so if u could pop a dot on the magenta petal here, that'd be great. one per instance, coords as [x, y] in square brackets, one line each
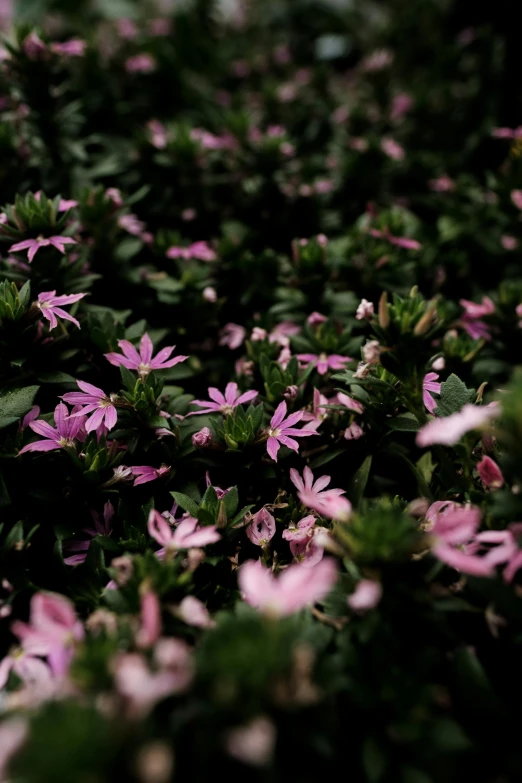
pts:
[41, 445]
[272, 447]
[279, 415]
[44, 429]
[111, 416]
[95, 420]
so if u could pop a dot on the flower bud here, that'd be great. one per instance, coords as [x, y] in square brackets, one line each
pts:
[490, 473]
[202, 439]
[290, 393]
[353, 432]
[371, 352]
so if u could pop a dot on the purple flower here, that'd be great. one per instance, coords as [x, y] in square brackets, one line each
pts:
[52, 631]
[67, 430]
[74, 47]
[429, 385]
[140, 63]
[143, 362]
[145, 473]
[300, 532]
[50, 306]
[280, 429]
[324, 362]
[199, 250]
[262, 529]
[448, 430]
[95, 401]
[224, 403]
[232, 335]
[295, 588]
[187, 534]
[99, 529]
[33, 245]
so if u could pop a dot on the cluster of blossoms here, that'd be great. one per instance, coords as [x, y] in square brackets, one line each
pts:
[260, 413]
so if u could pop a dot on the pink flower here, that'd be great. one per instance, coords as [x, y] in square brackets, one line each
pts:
[401, 104]
[262, 528]
[158, 134]
[252, 743]
[472, 310]
[94, 401]
[364, 310]
[52, 631]
[232, 335]
[74, 47]
[187, 534]
[99, 529]
[200, 250]
[143, 362]
[508, 242]
[145, 473]
[314, 495]
[295, 588]
[307, 552]
[202, 439]
[490, 473]
[507, 133]
[392, 149]
[131, 224]
[31, 670]
[405, 242]
[301, 531]
[450, 429]
[453, 532]
[209, 294]
[366, 595]
[324, 362]
[140, 63]
[516, 198]
[315, 319]
[33, 46]
[429, 385]
[64, 435]
[280, 429]
[50, 306]
[223, 403]
[318, 414]
[281, 333]
[33, 245]
[143, 688]
[29, 417]
[150, 629]
[441, 184]
[193, 612]
[353, 432]
[350, 403]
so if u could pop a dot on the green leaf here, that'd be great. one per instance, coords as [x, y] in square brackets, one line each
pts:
[426, 466]
[16, 403]
[55, 377]
[454, 394]
[186, 503]
[359, 481]
[404, 424]
[230, 501]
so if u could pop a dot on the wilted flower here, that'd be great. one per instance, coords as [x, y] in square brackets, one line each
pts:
[262, 528]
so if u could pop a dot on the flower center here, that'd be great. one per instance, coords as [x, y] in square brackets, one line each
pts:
[274, 433]
[66, 442]
[105, 402]
[144, 369]
[227, 409]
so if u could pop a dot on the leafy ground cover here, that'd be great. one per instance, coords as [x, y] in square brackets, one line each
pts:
[260, 402]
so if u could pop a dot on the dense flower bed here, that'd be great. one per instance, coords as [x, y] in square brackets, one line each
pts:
[260, 414]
